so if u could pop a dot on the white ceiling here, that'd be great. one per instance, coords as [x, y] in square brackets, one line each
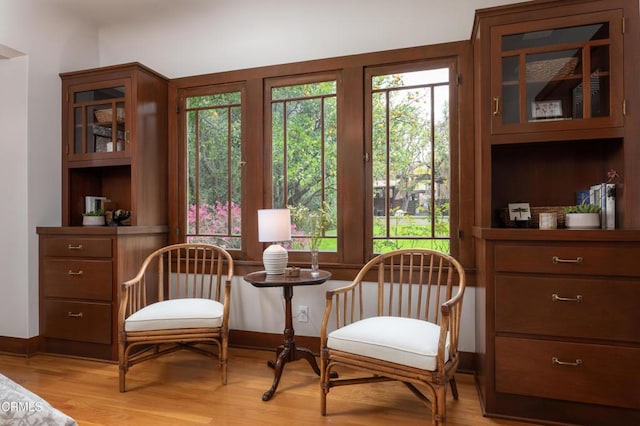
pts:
[107, 12]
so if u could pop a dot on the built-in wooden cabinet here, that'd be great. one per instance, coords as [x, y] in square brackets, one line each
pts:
[555, 102]
[556, 74]
[81, 270]
[114, 142]
[114, 145]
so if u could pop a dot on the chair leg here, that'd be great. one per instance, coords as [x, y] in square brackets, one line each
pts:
[440, 417]
[323, 398]
[223, 359]
[454, 388]
[122, 365]
[121, 377]
[324, 385]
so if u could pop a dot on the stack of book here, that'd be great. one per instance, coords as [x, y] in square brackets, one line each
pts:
[604, 195]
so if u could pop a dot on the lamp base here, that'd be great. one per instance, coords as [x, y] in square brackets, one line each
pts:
[275, 258]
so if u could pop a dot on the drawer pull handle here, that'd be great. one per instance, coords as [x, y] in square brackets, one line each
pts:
[496, 106]
[577, 299]
[577, 363]
[75, 272]
[577, 260]
[74, 314]
[78, 247]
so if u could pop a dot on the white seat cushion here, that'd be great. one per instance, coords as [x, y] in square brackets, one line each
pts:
[405, 341]
[176, 313]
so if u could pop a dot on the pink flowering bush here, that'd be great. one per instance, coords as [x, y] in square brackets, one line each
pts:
[211, 223]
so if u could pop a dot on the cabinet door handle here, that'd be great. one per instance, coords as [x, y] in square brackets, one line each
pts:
[78, 247]
[496, 106]
[577, 260]
[576, 363]
[75, 272]
[74, 314]
[577, 299]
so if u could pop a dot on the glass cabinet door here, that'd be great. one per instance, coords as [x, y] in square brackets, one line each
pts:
[99, 122]
[556, 74]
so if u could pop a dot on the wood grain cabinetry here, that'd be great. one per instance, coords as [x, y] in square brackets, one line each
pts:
[114, 145]
[556, 310]
[555, 74]
[114, 142]
[80, 273]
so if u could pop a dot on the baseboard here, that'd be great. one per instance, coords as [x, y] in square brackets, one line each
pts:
[270, 341]
[19, 346]
[237, 338]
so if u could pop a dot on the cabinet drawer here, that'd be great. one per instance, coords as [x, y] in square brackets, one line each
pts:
[77, 279]
[608, 308]
[76, 247]
[80, 321]
[607, 374]
[568, 259]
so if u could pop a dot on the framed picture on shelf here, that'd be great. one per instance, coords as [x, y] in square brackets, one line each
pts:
[519, 212]
[544, 110]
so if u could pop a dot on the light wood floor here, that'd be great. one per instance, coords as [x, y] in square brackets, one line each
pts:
[184, 388]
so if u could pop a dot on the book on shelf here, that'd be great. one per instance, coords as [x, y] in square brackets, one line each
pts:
[582, 197]
[604, 195]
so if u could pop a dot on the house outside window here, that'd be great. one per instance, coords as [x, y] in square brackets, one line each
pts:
[304, 140]
[410, 172]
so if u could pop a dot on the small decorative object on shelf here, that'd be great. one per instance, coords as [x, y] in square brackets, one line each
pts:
[119, 217]
[93, 218]
[603, 195]
[548, 220]
[544, 110]
[582, 216]
[520, 213]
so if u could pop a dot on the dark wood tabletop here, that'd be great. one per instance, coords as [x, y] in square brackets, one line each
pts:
[261, 279]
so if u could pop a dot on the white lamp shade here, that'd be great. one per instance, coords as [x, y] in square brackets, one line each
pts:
[274, 225]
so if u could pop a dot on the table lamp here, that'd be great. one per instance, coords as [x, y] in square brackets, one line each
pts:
[274, 225]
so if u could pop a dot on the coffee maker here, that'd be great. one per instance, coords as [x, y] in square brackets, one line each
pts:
[93, 203]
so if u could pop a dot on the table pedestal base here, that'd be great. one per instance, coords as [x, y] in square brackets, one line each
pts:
[288, 353]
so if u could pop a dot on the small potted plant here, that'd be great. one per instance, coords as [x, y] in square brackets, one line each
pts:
[582, 216]
[93, 218]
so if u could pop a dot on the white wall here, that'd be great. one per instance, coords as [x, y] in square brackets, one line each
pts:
[262, 310]
[196, 37]
[30, 144]
[215, 35]
[14, 289]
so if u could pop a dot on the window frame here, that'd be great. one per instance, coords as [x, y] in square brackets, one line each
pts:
[181, 156]
[454, 137]
[273, 82]
[354, 249]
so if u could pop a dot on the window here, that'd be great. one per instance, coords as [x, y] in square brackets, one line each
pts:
[410, 159]
[213, 182]
[371, 139]
[304, 158]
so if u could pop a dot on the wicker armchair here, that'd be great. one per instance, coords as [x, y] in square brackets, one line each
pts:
[402, 326]
[192, 307]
